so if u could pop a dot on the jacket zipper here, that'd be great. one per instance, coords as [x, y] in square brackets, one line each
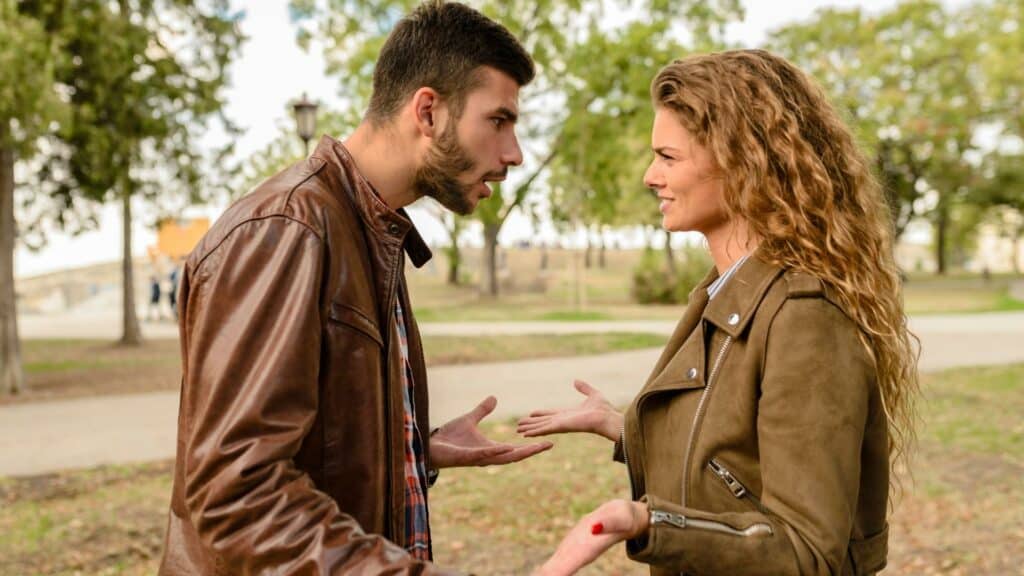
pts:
[700, 412]
[735, 486]
[681, 521]
[625, 459]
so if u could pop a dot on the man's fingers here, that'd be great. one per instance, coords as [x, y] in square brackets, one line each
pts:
[481, 456]
[538, 413]
[521, 453]
[484, 408]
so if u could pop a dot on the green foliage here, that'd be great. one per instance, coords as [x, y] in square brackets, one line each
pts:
[592, 57]
[142, 78]
[28, 99]
[655, 283]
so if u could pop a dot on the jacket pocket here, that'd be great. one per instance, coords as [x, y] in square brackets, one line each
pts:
[724, 477]
[356, 319]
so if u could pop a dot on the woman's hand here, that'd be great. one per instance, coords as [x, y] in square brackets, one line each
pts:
[595, 533]
[595, 415]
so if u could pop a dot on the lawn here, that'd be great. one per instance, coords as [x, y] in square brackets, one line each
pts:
[963, 512]
[70, 368]
[534, 294]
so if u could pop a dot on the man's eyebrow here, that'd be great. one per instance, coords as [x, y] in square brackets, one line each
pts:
[507, 113]
[663, 149]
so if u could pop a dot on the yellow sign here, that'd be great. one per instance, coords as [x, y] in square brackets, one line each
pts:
[177, 237]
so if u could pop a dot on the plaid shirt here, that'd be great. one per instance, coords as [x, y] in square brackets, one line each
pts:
[417, 518]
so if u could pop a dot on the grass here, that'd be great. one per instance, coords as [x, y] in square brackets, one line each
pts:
[960, 294]
[72, 368]
[962, 515]
[444, 350]
[531, 294]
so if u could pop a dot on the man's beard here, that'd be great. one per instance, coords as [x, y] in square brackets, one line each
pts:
[445, 161]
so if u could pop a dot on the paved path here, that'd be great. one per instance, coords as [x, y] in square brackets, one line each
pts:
[46, 436]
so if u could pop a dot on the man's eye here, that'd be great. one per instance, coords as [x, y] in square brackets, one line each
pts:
[498, 122]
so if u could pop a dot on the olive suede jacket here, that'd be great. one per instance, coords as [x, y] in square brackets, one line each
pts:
[759, 441]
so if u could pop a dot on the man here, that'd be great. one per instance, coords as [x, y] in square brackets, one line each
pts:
[303, 441]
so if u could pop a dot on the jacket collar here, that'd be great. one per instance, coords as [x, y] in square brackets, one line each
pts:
[734, 306]
[383, 222]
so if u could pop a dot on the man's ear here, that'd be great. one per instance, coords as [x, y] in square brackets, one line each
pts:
[427, 108]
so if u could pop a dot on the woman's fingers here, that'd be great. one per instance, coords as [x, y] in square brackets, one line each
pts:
[585, 388]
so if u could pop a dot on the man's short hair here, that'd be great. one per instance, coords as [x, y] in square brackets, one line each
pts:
[442, 45]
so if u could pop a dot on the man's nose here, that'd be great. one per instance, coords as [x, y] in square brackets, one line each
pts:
[513, 155]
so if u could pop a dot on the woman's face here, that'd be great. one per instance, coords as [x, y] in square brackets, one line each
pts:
[683, 176]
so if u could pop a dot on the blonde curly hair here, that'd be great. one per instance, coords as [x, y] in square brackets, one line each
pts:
[792, 171]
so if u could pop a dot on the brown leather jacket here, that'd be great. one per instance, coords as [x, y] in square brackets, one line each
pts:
[290, 430]
[759, 441]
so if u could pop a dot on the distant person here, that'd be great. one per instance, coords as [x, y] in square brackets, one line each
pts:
[172, 294]
[761, 443]
[154, 312]
[304, 445]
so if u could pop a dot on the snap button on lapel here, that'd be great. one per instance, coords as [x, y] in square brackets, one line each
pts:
[393, 228]
[691, 373]
[734, 319]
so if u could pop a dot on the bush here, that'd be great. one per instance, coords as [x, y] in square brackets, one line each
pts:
[653, 283]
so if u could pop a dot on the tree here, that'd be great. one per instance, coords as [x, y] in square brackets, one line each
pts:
[143, 78]
[28, 105]
[908, 81]
[553, 31]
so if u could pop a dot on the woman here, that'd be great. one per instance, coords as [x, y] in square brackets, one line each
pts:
[762, 442]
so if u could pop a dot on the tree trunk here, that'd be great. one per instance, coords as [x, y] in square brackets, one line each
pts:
[580, 278]
[544, 256]
[12, 378]
[602, 262]
[490, 286]
[131, 335]
[941, 237]
[670, 257]
[453, 265]
[587, 259]
[453, 251]
[1016, 249]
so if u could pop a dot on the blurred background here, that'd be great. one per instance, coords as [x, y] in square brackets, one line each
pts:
[128, 126]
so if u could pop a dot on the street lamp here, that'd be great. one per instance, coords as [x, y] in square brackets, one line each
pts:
[305, 120]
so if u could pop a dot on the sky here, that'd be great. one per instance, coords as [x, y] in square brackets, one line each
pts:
[271, 72]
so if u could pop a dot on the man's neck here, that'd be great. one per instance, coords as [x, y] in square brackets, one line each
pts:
[385, 161]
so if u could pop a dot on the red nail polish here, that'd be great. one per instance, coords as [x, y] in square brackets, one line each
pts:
[597, 528]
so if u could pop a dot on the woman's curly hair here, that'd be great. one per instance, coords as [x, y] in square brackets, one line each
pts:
[792, 171]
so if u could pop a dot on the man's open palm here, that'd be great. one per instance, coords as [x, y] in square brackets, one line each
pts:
[460, 442]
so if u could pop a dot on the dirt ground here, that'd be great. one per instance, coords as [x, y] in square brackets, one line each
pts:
[963, 516]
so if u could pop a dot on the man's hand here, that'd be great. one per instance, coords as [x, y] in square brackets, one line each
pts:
[595, 533]
[460, 442]
[595, 415]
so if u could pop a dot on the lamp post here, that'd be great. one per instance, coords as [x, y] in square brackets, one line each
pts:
[305, 120]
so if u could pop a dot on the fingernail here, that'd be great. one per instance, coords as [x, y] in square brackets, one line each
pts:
[597, 528]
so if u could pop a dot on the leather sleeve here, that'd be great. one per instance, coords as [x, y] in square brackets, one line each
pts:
[812, 414]
[254, 320]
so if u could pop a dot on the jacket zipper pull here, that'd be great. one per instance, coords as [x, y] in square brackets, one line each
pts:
[738, 490]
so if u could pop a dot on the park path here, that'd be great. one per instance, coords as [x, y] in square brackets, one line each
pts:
[48, 436]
